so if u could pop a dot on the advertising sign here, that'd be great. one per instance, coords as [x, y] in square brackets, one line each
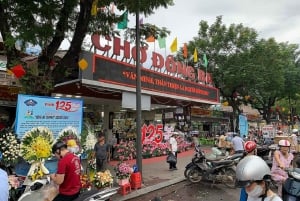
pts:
[54, 113]
[268, 131]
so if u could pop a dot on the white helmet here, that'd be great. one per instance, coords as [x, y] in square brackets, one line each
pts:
[295, 130]
[250, 169]
[284, 143]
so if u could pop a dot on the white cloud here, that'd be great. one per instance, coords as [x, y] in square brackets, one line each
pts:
[279, 19]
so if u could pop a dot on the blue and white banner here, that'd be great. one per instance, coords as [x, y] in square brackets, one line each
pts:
[54, 113]
[243, 125]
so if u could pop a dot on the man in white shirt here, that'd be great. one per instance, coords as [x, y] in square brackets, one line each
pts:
[173, 149]
[4, 186]
[238, 144]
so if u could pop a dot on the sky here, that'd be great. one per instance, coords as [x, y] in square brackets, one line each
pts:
[279, 19]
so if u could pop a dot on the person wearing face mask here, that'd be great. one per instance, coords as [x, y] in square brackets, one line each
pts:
[254, 175]
[281, 161]
[250, 149]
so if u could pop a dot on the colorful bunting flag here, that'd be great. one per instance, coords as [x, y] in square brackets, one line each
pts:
[173, 46]
[141, 21]
[185, 51]
[123, 23]
[94, 8]
[205, 62]
[150, 39]
[195, 56]
[161, 42]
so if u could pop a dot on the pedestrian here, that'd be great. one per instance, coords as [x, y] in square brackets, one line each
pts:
[250, 149]
[173, 149]
[237, 144]
[282, 160]
[102, 153]
[253, 173]
[4, 186]
[68, 173]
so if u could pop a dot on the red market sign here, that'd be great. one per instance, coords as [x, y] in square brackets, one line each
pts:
[158, 61]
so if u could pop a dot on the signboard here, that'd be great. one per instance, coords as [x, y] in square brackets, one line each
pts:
[268, 131]
[110, 71]
[56, 114]
[243, 125]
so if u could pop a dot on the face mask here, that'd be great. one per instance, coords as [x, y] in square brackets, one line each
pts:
[256, 192]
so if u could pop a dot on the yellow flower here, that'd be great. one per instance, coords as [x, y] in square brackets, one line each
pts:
[71, 143]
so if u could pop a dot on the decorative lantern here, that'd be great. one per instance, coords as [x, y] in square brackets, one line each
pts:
[83, 64]
[18, 71]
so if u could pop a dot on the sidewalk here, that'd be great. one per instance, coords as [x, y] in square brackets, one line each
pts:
[156, 173]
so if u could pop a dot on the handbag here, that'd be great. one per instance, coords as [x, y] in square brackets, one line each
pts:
[171, 158]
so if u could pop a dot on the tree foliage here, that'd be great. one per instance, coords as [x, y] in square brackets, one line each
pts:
[47, 23]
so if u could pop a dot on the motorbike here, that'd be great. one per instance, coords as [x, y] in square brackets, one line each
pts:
[291, 187]
[36, 191]
[235, 157]
[222, 170]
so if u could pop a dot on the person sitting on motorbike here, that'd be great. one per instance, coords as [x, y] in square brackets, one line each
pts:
[291, 186]
[282, 160]
[250, 149]
[253, 173]
[68, 173]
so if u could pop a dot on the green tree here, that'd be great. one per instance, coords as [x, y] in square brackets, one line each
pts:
[47, 23]
[225, 48]
[271, 74]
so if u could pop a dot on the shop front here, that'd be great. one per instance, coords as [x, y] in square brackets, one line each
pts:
[108, 84]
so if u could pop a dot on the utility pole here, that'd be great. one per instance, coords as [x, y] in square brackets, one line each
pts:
[138, 91]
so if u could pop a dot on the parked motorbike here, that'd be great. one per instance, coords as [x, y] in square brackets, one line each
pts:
[235, 157]
[212, 170]
[36, 191]
[291, 187]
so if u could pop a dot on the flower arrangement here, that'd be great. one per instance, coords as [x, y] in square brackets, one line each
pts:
[9, 147]
[36, 144]
[123, 170]
[69, 136]
[35, 148]
[125, 151]
[91, 164]
[103, 179]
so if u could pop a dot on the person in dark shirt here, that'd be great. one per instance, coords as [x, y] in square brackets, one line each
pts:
[101, 152]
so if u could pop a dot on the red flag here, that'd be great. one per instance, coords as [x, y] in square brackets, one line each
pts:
[185, 51]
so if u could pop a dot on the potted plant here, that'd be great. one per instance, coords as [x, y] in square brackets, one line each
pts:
[123, 172]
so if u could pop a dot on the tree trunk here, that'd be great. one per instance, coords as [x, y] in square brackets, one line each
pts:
[69, 62]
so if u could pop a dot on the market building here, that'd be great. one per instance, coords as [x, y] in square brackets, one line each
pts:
[173, 94]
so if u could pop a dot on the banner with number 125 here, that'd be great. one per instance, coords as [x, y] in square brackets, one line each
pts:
[54, 113]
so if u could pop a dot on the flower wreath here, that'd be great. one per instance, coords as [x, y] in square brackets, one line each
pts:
[70, 137]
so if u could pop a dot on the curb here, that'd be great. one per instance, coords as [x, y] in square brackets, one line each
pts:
[149, 189]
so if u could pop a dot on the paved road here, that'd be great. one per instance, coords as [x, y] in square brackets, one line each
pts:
[158, 179]
[185, 191]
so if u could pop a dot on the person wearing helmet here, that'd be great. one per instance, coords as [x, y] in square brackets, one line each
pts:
[68, 173]
[282, 160]
[250, 149]
[253, 173]
[4, 187]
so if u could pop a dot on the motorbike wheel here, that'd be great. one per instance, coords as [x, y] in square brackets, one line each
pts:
[194, 175]
[230, 177]
[186, 171]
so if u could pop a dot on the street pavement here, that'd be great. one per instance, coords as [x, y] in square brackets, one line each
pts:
[156, 173]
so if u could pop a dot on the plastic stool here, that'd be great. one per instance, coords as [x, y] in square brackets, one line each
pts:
[125, 189]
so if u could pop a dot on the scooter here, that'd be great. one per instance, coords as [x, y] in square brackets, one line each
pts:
[291, 187]
[222, 170]
[36, 190]
[235, 157]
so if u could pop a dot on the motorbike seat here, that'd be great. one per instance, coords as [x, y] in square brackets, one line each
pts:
[221, 162]
[235, 156]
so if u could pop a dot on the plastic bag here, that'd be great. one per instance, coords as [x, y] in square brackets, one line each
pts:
[171, 158]
[50, 191]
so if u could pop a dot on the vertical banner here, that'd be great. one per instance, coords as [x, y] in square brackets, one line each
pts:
[243, 125]
[54, 113]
